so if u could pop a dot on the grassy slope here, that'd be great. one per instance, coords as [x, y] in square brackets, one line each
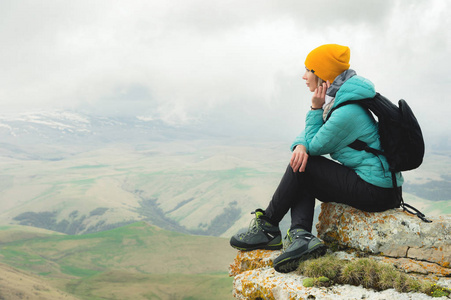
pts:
[17, 284]
[127, 285]
[192, 184]
[132, 262]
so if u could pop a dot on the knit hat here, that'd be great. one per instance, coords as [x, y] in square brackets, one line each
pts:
[328, 61]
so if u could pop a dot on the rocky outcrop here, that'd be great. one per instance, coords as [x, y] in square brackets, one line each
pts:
[251, 260]
[395, 237]
[393, 233]
[254, 278]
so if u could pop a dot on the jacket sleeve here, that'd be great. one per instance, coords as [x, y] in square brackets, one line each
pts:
[343, 127]
[313, 123]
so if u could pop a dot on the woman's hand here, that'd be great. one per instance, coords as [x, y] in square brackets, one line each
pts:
[299, 158]
[319, 95]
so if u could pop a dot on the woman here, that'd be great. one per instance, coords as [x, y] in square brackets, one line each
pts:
[356, 178]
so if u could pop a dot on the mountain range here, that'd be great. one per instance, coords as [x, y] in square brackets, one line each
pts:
[54, 134]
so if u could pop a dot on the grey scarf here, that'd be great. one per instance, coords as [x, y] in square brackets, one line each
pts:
[334, 87]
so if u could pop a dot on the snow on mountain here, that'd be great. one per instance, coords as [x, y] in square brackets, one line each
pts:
[55, 134]
[73, 127]
[37, 122]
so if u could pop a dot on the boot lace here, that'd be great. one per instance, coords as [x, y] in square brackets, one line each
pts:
[254, 227]
[287, 241]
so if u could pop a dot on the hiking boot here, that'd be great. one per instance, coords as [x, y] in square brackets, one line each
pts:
[261, 234]
[301, 245]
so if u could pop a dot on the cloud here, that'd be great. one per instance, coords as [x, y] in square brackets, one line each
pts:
[222, 62]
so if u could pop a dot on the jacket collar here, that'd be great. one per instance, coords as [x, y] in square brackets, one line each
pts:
[338, 82]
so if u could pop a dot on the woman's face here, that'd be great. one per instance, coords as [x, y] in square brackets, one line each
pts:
[310, 79]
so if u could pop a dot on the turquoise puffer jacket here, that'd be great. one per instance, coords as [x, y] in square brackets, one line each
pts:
[345, 125]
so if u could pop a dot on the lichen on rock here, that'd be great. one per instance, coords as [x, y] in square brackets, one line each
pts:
[393, 236]
[392, 233]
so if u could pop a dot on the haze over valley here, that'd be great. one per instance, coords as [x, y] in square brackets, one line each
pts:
[76, 173]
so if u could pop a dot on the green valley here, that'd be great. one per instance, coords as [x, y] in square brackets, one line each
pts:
[137, 261]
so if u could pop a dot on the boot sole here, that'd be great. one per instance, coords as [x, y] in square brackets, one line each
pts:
[267, 247]
[292, 263]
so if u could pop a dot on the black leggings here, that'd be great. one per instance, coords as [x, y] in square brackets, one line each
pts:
[327, 181]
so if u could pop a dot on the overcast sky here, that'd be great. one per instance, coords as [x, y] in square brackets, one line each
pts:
[232, 64]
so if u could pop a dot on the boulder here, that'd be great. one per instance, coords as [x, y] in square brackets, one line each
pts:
[392, 233]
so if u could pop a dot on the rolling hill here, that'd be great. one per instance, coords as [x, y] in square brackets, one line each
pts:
[137, 261]
[17, 284]
[76, 174]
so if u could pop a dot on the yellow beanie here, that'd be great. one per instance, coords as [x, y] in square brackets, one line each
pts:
[328, 61]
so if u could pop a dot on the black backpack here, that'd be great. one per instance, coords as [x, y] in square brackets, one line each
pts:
[400, 135]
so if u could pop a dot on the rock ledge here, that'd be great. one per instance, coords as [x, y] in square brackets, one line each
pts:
[392, 233]
[422, 249]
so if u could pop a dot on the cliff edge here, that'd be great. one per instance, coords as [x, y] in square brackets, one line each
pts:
[420, 249]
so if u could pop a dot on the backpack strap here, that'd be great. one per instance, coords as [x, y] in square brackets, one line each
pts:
[340, 105]
[418, 213]
[362, 146]
[407, 207]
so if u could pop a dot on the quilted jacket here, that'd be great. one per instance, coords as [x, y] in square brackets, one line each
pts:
[344, 126]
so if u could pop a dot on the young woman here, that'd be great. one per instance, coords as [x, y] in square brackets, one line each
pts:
[356, 178]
